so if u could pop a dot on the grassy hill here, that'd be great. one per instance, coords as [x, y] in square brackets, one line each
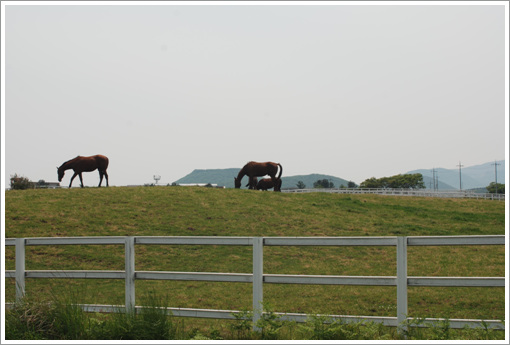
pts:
[225, 177]
[196, 211]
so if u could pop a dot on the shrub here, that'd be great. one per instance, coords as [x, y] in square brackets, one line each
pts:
[498, 188]
[269, 323]
[151, 323]
[241, 327]
[21, 182]
[40, 320]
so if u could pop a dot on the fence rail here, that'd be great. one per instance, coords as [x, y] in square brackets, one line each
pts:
[402, 192]
[257, 278]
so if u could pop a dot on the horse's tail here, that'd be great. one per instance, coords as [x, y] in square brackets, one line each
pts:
[281, 170]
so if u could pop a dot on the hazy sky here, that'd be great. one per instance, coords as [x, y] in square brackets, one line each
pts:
[355, 91]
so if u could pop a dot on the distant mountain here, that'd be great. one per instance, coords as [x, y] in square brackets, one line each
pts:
[225, 177]
[429, 182]
[477, 176]
[221, 177]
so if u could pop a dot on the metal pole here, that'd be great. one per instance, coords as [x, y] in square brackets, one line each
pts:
[20, 269]
[496, 174]
[460, 176]
[258, 280]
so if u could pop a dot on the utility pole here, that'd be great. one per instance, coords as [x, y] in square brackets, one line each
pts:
[435, 179]
[496, 174]
[460, 176]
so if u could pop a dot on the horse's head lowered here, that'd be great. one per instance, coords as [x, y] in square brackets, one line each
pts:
[237, 182]
[61, 173]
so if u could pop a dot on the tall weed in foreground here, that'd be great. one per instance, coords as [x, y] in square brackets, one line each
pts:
[150, 323]
[60, 318]
[420, 329]
[483, 332]
[28, 320]
[269, 323]
[40, 320]
[319, 327]
[240, 329]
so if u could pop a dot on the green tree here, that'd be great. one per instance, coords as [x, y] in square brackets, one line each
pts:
[324, 183]
[351, 184]
[371, 183]
[492, 188]
[407, 181]
[21, 182]
[301, 185]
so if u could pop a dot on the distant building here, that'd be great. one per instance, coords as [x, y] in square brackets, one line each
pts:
[48, 185]
[213, 185]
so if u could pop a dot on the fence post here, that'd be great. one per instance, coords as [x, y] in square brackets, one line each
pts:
[20, 268]
[401, 282]
[258, 279]
[130, 273]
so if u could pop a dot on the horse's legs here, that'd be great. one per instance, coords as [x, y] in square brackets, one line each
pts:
[81, 180]
[101, 174]
[72, 178]
[253, 184]
[275, 186]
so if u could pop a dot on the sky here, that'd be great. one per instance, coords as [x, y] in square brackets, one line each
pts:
[349, 89]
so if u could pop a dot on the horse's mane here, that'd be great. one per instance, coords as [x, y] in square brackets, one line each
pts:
[70, 160]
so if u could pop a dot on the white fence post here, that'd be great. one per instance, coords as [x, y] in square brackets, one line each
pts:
[130, 273]
[258, 279]
[401, 282]
[20, 268]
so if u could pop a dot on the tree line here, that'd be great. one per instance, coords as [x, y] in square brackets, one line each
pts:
[407, 181]
[401, 181]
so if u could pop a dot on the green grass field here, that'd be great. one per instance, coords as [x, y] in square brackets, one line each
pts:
[195, 211]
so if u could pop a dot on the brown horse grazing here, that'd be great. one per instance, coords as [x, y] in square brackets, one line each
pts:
[267, 183]
[254, 169]
[81, 164]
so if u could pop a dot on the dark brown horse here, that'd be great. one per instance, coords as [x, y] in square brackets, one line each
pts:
[267, 183]
[85, 164]
[254, 169]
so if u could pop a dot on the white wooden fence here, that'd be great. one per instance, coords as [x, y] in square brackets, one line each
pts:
[257, 278]
[402, 192]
